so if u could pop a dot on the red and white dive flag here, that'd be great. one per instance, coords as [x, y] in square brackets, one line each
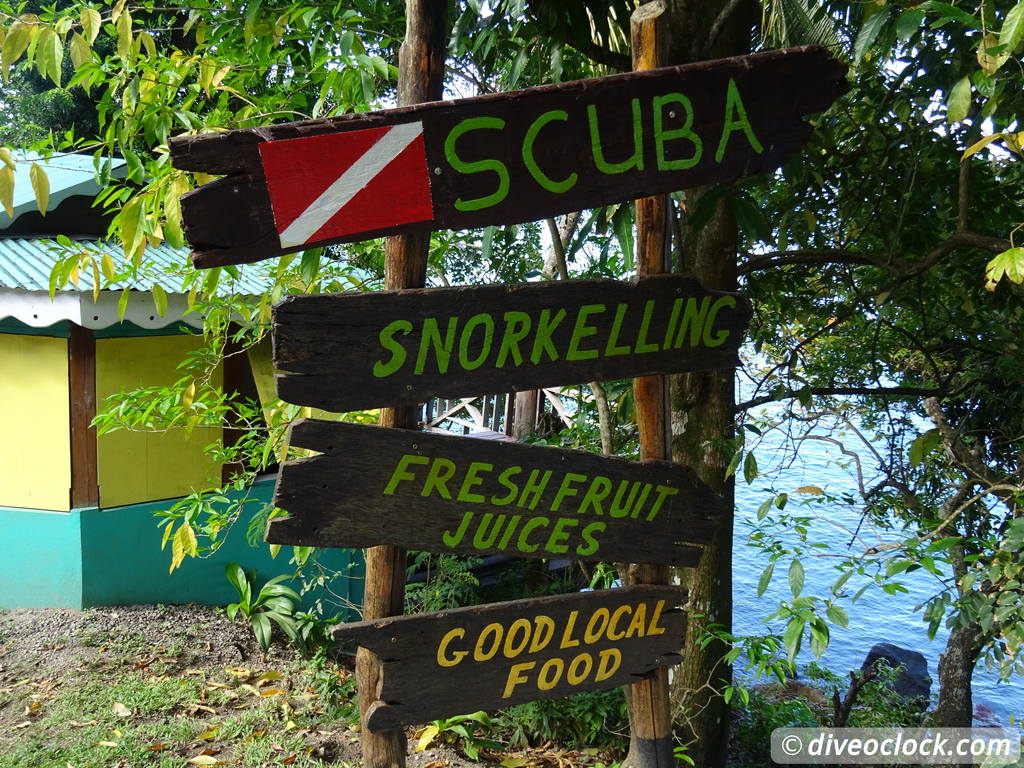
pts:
[330, 186]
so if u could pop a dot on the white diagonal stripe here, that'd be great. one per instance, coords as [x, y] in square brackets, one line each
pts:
[345, 187]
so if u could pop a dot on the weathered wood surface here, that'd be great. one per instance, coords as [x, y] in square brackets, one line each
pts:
[373, 485]
[502, 158]
[491, 656]
[353, 351]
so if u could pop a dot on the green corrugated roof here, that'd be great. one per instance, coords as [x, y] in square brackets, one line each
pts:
[67, 175]
[26, 263]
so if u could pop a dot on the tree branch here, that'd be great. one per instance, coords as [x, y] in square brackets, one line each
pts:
[720, 20]
[810, 256]
[620, 62]
[840, 391]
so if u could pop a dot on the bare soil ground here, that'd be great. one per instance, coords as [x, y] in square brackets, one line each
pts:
[171, 686]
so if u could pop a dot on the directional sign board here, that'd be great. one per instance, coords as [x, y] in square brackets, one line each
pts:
[490, 656]
[446, 493]
[352, 351]
[499, 159]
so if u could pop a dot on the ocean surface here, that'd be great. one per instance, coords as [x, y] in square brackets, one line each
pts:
[877, 616]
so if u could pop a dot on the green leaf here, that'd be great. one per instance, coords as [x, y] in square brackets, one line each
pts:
[765, 580]
[796, 578]
[81, 53]
[958, 104]
[908, 23]
[819, 637]
[122, 303]
[40, 186]
[870, 32]
[749, 468]
[793, 635]
[1008, 264]
[309, 267]
[947, 12]
[1012, 31]
[261, 628]
[838, 615]
[239, 580]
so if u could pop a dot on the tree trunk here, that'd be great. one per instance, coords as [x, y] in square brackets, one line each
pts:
[703, 409]
[956, 667]
[421, 69]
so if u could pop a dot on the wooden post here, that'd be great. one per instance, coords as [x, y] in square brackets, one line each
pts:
[650, 713]
[85, 490]
[420, 79]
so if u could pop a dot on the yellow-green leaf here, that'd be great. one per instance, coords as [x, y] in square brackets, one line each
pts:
[40, 186]
[1008, 264]
[427, 735]
[19, 35]
[183, 543]
[91, 23]
[124, 34]
[958, 104]
[274, 550]
[81, 53]
[980, 145]
[987, 61]
[7, 189]
[109, 271]
[115, 12]
[49, 55]
[159, 299]
[188, 396]
[96, 282]
[131, 225]
[7, 158]
[122, 306]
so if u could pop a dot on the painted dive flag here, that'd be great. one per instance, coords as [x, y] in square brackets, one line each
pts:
[329, 186]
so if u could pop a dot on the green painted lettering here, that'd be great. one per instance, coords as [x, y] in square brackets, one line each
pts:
[441, 472]
[694, 317]
[554, 544]
[618, 508]
[610, 349]
[664, 491]
[472, 480]
[642, 345]
[735, 120]
[581, 331]
[598, 491]
[542, 341]
[478, 166]
[534, 487]
[481, 539]
[558, 187]
[523, 544]
[387, 340]
[513, 489]
[636, 160]
[566, 489]
[661, 135]
[400, 472]
[466, 338]
[442, 348]
[719, 338]
[587, 534]
[453, 540]
[517, 327]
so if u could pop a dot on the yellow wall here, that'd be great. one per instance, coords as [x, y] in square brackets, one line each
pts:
[35, 449]
[146, 466]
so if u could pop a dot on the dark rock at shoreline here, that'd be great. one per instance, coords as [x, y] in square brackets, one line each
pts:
[913, 683]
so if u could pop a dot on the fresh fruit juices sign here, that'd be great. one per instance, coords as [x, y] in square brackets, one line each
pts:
[499, 159]
[359, 350]
[370, 485]
[497, 655]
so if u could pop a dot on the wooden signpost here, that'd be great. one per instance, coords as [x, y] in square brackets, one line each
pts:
[358, 350]
[501, 654]
[499, 159]
[444, 493]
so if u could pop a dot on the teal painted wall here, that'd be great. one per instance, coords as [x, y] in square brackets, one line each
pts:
[41, 562]
[92, 557]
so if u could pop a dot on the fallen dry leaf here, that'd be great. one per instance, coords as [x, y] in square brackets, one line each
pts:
[26, 724]
[203, 760]
[121, 710]
[437, 764]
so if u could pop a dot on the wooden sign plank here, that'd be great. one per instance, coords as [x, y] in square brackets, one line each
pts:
[486, 657]
[499, 159]
[354, 351]
[446, 493]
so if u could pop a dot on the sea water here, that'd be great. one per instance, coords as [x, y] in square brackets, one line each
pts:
[877, 616]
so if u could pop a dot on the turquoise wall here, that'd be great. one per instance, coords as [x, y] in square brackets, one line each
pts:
[41, 563]
[92, 557]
